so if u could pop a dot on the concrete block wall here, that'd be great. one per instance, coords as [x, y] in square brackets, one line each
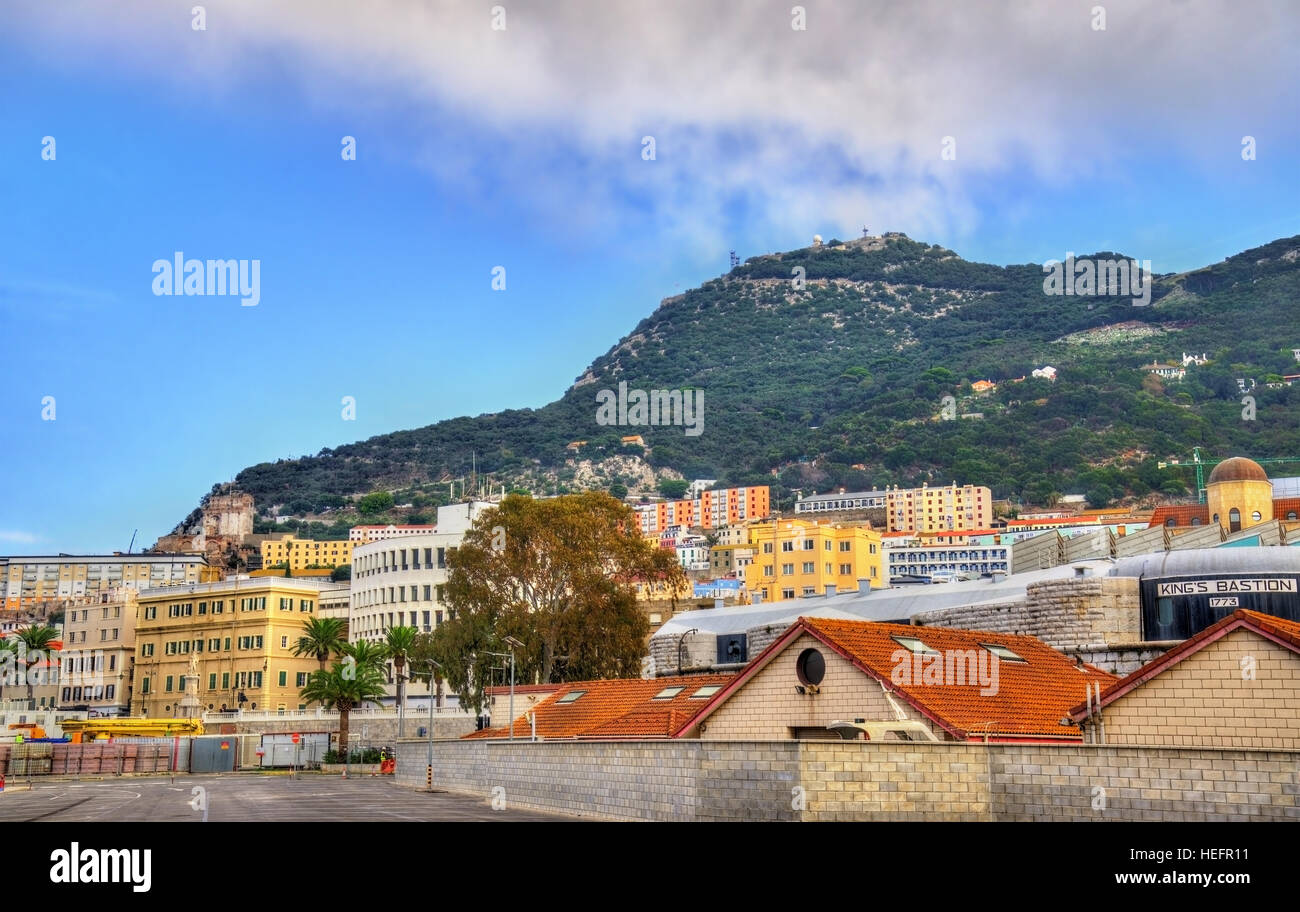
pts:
[814, 780]
[1102, 782]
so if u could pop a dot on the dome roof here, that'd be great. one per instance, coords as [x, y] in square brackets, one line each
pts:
[1238, 468]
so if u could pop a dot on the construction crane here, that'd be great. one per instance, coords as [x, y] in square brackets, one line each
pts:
[1201, 463]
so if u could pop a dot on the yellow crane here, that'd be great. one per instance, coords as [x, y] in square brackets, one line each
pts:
[100, 729]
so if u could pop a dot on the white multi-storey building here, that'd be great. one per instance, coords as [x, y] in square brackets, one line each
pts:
[383, 533]
[398, 582]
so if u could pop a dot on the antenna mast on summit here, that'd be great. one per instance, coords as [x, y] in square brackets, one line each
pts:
[735, 260]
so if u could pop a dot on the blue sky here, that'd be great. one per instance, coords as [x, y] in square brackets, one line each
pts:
[478, 149]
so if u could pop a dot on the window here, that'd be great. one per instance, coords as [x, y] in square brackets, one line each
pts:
[912, 644]
[846, 569]
[706, 691]
[787, 593]
[809, 544]
[1234, 520]
[212, 681]
[846, 546]
[571, 697]
[1256, 516]
[809, 567]
[668, 693]
[767, 547]
[301, 679]
[110, 691]
[151, 613]
[225, 680]
[146, 650]
[787, 546]
[828, 544]
[144, 686]
[168, 685]
[787, 569]
[1002, 652]
[284, 678]
[284, 642]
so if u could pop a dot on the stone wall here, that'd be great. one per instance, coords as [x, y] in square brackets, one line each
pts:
[1098, 616]
[816, 780]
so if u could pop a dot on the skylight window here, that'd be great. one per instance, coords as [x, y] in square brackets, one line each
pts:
[668, 693]
[571, 697]
[1002, 652]
[706, 691]
[912, 644]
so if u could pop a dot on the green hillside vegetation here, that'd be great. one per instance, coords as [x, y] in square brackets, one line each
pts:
[852, 370]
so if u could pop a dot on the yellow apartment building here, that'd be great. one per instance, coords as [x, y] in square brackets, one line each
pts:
[237, 636]
[794, 558]
[302, 553]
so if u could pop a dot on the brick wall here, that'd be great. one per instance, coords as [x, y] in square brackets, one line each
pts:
[808, 780]
[1239, 691]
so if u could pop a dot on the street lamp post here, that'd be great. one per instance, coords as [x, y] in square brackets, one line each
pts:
[429, 767]
[512, 644]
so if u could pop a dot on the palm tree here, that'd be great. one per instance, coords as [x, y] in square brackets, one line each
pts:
[322, 637]
[397, 643]
[344, 687]
[37, 641]
[367, 654]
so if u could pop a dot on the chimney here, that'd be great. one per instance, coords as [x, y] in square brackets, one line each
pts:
[830, 589]
[864, 586]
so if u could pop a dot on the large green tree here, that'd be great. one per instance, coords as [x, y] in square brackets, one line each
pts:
[557, 575]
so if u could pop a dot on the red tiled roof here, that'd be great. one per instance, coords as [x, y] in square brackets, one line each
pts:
[1283, 505]
[1182, 515]
[1032, 696]
[620, 708]
[1279, 630]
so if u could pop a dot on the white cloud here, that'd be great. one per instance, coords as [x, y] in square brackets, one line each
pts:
[817, 130]
[17, 537]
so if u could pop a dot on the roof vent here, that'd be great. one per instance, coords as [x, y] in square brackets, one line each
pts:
[864, 587]
[830, 589]
[1081, 571]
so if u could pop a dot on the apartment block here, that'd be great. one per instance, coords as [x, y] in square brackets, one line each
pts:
[301, 553]
[710, 510]
[26, 581]
[798, 558]
[237, 636]
[939, 509]
[99, 653]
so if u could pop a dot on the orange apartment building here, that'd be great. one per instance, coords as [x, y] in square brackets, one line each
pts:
[711, 510]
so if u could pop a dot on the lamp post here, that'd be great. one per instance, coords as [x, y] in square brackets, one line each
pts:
[681, 641]
[512, 644]
[429, 767]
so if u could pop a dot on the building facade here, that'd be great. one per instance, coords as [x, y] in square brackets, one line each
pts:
[302, 553]
[363, 534]
[710, 510]
[237, 636]
[948, 561]
[99, 654]
[798, 558]
[940, 509]
[30, 580]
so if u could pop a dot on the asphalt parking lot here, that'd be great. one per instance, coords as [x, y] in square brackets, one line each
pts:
[243, 797]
